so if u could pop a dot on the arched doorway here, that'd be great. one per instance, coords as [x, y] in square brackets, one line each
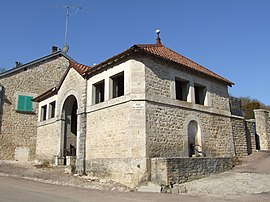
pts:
[69, 126]
[194, 139]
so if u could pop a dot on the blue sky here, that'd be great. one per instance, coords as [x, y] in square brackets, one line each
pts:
[229, 37]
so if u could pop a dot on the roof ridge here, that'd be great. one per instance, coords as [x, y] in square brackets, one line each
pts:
[35, 61]
[148, 45]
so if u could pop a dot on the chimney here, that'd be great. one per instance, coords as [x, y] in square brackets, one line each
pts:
[54, 49]
[17, 64]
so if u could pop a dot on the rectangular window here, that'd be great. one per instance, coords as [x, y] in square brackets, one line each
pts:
[25, 103]
[52, 109]
[117, 85]
[181, 89]
[43, 113]
[200, 92]
[98, 92]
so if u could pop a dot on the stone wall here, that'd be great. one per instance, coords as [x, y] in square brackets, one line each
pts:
[263, 127]
[115, 137]
[73, 84]
[167, 119]
[115, 141]
[160, 80]
[18, 130]
[244, 136]
[46, 147]
[167, 132]
[179, 170]
[251, 135]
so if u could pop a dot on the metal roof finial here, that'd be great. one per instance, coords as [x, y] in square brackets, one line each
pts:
[158, 40]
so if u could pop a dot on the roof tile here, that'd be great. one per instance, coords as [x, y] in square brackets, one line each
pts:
[80, 68]
[166, 53]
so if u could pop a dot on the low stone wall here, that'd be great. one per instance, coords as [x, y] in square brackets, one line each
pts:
[180, 170]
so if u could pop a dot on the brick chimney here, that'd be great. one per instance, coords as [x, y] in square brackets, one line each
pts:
[54, 49]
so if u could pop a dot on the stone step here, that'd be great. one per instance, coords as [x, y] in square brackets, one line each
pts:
[150, 187]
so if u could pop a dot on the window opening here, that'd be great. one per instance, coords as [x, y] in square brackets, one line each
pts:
[52, 109]
[118, 85]
[43, 112]
[98, 92]
[181, 88]
[200, 92]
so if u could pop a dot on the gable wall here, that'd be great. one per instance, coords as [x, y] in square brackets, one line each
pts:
[51, 131]
[18, 130]
[73, 84]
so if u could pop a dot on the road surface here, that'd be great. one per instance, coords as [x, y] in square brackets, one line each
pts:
[17, 189]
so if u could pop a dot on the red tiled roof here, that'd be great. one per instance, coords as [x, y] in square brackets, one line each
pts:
[80, 68]
[158, 50]
[166, 53]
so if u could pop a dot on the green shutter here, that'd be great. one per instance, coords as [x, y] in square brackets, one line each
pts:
[28, 103]
[20, 105]
[25, 103]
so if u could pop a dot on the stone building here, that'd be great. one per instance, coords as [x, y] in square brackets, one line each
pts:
[132, 117]
[18, 114]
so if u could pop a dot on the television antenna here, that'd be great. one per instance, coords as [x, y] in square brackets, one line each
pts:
[69, 13]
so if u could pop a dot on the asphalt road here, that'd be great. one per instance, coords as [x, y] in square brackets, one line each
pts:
[16, 189]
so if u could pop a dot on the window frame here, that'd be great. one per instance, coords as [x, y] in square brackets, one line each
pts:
[52, 109]
[200, 94]
[97, 93]
[182, 92]
[43, 113]
[114, 87]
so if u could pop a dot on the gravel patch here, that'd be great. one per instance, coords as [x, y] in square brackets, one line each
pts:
[228, 184]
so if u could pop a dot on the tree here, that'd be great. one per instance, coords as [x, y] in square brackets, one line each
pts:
[249, 104]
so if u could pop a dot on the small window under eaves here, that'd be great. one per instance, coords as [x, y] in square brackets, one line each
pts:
[181, 89]
[200, 93]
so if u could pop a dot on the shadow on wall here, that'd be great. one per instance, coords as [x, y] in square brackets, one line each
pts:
[3, 100]
[248, 140]
[257, 139]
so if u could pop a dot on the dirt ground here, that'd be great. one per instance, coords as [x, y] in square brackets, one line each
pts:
[246, 182]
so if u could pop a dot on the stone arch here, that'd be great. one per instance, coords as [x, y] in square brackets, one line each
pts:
[194, 137]
[69, 127]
